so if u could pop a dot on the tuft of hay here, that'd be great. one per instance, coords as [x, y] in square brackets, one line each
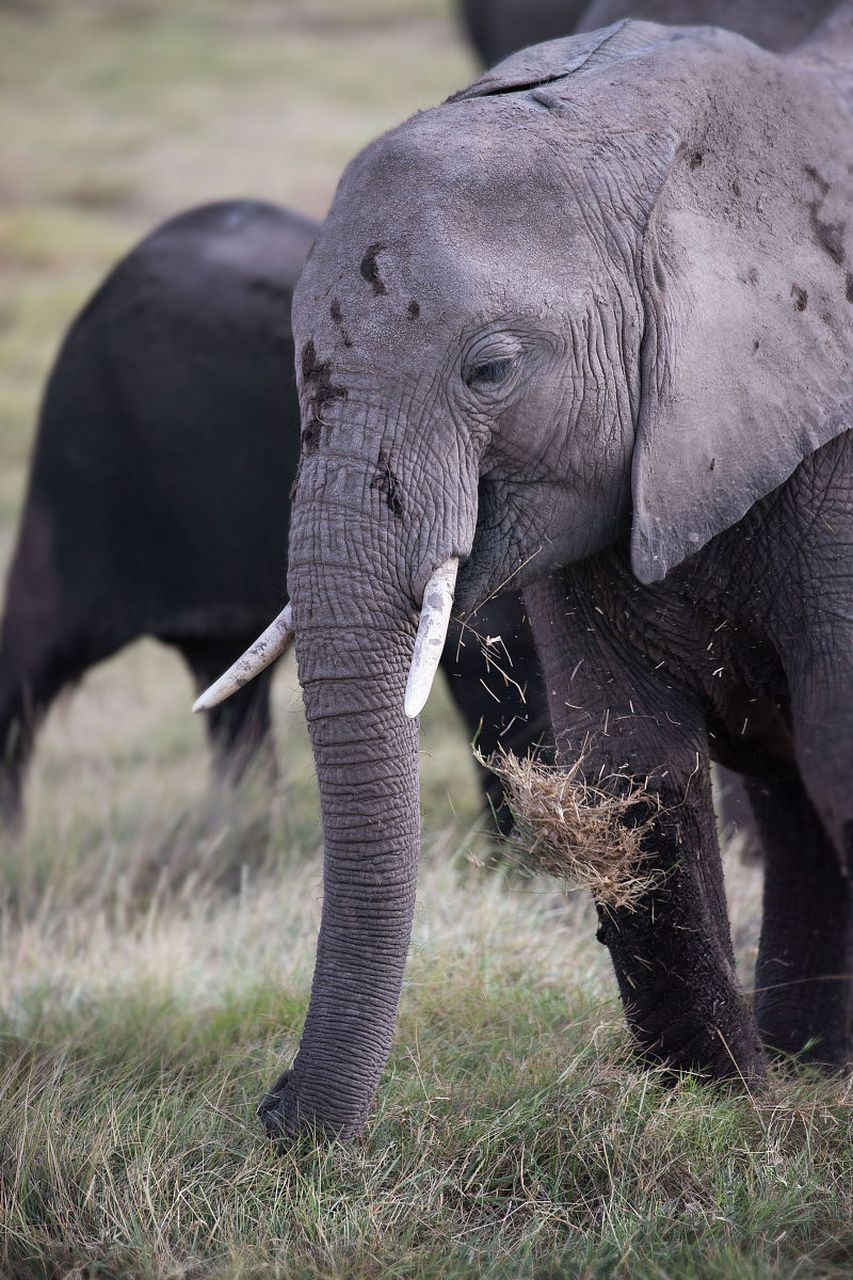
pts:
[575, 831]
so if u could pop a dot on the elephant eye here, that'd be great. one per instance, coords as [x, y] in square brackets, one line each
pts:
[490, 373]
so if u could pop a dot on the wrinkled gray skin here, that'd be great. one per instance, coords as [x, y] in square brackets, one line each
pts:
[595, 315]
[496, 28]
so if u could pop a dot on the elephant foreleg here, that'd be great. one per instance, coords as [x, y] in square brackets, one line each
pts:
[494, 678]
[672, 952]
[36, 665]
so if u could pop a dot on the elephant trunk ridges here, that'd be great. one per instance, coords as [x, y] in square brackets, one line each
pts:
[365, 750]
[361, 555]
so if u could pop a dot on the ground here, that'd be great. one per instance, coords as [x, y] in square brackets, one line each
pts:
[156, 941]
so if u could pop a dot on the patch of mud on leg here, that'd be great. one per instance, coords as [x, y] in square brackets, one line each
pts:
[588, 836]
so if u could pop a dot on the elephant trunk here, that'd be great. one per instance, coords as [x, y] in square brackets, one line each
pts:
[366, 753]
[355, 576]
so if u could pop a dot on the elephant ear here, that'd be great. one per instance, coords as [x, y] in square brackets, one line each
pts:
[542, 64]
[747, 363]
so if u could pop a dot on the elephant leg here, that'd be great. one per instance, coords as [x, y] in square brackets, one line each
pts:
[672, 951]
[464, 668]
[804, 973]
[24, 701]
[50, 637]
[240, 727]
[18, 728]
[35, 670]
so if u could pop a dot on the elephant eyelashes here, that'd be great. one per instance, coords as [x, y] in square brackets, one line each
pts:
[489, 374]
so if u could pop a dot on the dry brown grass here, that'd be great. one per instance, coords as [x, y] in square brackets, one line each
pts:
[582, 833]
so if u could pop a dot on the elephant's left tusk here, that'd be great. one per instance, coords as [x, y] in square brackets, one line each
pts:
[275, 641]
[432, 633]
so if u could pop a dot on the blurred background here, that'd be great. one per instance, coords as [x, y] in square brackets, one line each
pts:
[117, 114]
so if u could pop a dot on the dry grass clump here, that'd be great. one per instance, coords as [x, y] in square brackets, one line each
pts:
[577, 831]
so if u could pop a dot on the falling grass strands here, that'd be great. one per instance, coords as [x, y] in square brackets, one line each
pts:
[567, 828]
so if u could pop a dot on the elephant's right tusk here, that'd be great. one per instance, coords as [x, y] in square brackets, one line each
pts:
[275, 641]
[432, 633]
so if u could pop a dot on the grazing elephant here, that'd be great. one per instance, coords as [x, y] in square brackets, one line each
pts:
[497, 28]
[591, 320]
[168, 433]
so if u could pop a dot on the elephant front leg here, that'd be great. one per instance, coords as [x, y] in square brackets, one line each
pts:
[672, 952]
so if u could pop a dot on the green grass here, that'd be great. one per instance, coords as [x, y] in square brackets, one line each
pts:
[156, 940]
[512, 1136]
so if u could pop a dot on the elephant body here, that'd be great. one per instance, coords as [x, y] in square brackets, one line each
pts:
[593, 317]
[711, 664]
[497, 28]
[168, 434]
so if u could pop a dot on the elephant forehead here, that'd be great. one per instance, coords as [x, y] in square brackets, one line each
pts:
[439, 224]
[464, 175]
[368, 300]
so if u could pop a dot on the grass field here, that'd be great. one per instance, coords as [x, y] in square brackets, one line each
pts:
[156, 940]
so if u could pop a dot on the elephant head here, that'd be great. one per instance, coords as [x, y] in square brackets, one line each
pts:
[599, 297]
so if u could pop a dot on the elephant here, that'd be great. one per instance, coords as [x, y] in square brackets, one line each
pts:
[591, 319]
[170, 423]
[497, 28]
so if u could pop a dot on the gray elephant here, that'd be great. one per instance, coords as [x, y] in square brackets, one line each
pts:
[169, 421]
[497, 28]
[592, 318]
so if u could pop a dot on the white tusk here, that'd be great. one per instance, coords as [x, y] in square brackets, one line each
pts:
[275, 641]
[432, 633]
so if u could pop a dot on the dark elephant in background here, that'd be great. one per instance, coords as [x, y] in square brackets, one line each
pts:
[593, 315]
[497, 28]
[168, 434]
